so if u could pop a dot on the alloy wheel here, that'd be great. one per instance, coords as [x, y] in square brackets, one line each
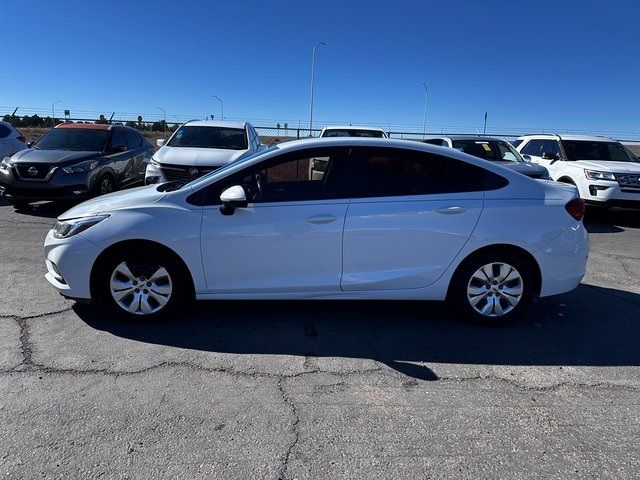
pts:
[140, 289]
[106, 185]
[495, 289]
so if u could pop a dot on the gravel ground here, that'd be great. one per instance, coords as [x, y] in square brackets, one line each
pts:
[320, 390]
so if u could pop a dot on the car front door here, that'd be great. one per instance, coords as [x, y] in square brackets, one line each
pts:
[137, 153]
[289, 237]
[410, 215]
[120, 157]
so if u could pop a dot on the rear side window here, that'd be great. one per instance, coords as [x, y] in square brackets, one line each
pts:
[4, 131]
[387, 172]
[515, 143]
[133, 139]
[436, 141]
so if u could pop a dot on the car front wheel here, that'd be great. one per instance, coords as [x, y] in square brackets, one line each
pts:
[140, 285]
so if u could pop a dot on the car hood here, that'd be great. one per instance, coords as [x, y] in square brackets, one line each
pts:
[609, 166]
[33, 155]
[197, 157]
[526, 168]
[134, 197]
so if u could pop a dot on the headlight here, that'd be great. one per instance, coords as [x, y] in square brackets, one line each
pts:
[81, 167]
[4, 165]
[154, 162]
[68, 228]
[595, 175]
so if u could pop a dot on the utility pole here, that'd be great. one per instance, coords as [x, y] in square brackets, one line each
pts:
[424, 118]
[221, 105]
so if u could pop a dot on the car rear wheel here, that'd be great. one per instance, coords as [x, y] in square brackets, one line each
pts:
[493, 288]
[140, 285]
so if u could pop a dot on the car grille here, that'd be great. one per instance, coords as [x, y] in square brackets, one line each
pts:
[32, 171]
[180, 172]
[628, 181]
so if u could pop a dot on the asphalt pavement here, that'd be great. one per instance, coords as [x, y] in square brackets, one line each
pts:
[315, 390]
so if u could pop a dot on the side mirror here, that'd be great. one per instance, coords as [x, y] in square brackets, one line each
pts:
[232, 198]
[30, 144]
[161, 141]
[119, 149]
[527, 158]
[550, 156]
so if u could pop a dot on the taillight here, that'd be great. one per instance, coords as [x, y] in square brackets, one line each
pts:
[575, 208]
[21, 137]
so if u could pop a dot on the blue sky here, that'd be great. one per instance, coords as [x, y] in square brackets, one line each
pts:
[566, 65]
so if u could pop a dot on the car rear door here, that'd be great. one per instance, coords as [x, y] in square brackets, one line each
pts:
[137, 152]
[410, 215]
[289, 237]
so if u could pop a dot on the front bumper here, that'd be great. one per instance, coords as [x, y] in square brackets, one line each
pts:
[60, 186]
[608, 193]
[69, 262]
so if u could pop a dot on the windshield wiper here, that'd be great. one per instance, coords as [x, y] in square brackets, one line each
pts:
[171, 186]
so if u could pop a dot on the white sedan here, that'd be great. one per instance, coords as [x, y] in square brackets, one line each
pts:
[389, 219]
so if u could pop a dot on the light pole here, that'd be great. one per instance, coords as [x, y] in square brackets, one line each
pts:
[426, 100]
[221, 105]
[164, 114]
[53, 114]
[313, 78]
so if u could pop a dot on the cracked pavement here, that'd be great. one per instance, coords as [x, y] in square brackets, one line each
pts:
[297, 390]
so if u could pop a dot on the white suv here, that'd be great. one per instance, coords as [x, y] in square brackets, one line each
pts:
[605, 171]
[200, 147]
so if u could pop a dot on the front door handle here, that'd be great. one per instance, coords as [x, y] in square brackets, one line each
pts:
[451, 210]
[321, 219]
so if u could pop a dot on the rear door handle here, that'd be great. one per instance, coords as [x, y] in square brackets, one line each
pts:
[451, 210]
[321, 219]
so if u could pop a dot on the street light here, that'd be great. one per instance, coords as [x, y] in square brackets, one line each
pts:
[424, 119]
[313, 78]
[221, 104]
[165, 117]
[53, 114]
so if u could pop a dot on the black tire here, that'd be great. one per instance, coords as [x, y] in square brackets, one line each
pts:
[463, 281]
[142, 263]
[104, 185]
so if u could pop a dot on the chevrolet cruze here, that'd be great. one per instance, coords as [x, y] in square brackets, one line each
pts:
[387, 219]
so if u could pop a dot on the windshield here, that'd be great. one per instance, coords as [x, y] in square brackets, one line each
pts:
[353, 133]
[76, 139]
[209, 137]
[492, 150]
[595, 150]
[195, 183]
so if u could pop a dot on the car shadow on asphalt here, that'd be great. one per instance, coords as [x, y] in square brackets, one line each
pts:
[592, 326]
[41, 209]
[611, 221]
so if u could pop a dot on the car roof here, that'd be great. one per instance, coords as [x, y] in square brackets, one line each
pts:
[552, 136]
[85, 126]
[217, 123]
[352, 127]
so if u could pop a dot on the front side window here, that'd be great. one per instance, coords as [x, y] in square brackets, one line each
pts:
[117, 140]
[316, 174]
[133, 139]
[75, 139]
[532, 148]
[596, 150]
[210, 137]
[387, 172]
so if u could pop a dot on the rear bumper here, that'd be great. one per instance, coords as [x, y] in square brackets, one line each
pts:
[563, 261]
